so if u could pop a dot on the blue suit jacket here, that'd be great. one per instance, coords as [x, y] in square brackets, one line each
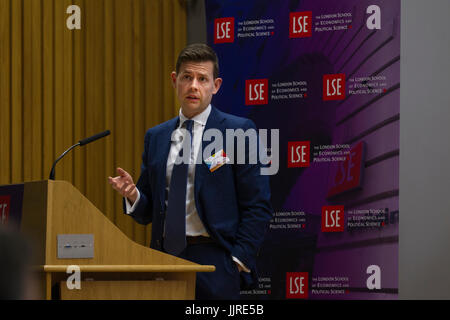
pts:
[233, 201]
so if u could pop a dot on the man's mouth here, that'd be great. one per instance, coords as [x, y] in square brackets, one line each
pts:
[192, 98]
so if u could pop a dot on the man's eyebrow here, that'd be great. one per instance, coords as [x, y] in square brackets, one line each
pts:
[204, 74]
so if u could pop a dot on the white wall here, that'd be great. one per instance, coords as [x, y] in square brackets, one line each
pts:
[425, 150]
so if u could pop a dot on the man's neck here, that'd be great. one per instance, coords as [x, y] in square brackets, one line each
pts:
[192, 115]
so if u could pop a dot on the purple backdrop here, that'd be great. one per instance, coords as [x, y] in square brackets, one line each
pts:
[331, 73]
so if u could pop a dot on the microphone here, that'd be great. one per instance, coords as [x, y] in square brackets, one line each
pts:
[94, 137]
[80, 143]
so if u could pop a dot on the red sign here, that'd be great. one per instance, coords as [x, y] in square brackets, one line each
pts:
[334, 87]
[300, 24]
[347, 175]
[297, 285]
[4, 209]
[332, 218]
[256, 91]
[224, 30]
[298, 154]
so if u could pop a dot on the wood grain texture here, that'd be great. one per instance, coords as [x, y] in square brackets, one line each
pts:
[61, 85]
[126, 290]
[5, 90]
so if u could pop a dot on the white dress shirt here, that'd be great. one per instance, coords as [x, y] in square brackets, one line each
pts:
[194, 226]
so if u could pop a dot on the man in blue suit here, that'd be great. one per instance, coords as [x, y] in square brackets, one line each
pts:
[207, 208]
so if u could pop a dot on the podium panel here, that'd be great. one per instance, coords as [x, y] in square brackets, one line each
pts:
[115, 268]
[126, 290]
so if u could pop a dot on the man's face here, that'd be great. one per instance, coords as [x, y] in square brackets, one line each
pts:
[195, 86]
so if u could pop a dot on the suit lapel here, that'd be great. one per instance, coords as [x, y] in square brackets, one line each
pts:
[164, 142]
[214, 121]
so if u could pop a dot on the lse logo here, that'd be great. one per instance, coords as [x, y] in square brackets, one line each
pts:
[300, 24]
[4, 209]
[334, 87]
[332, 218]
[298, 154]
[224, 30]
[348, 175]
[256, 91]
[296, 285]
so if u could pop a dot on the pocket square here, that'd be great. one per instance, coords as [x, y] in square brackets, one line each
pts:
[217, 160]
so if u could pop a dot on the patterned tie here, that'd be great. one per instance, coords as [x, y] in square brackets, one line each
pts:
[175, 232]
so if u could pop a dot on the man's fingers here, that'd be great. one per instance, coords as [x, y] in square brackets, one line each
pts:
[129, 190]
[123, 187]
[124, 175]
[115, 183]
[112, 180]
[123, 183]
[122, 172]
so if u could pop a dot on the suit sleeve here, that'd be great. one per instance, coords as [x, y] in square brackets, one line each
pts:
[255, 210]
[142, 213]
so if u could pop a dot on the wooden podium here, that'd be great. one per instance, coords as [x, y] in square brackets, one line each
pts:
[61, 222]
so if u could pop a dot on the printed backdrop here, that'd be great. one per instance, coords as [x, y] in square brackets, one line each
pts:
[327, 75]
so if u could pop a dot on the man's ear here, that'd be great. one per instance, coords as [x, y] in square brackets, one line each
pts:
[173, 75]
[217, 84]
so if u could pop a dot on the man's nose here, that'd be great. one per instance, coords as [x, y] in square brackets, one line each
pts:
[194, 84]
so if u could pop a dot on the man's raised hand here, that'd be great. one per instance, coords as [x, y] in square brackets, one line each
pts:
[124, 184]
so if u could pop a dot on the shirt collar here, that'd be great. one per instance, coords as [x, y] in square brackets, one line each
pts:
[201, 118]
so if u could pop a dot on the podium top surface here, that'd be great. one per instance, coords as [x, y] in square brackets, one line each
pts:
[132, 268]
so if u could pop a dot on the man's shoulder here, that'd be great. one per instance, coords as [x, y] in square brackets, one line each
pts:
[233, 121]
[162, 127]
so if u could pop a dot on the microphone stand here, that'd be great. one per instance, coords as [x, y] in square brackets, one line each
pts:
[80, 143]
[52, 172]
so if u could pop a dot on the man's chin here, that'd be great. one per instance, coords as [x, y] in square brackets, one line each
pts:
[192, 109]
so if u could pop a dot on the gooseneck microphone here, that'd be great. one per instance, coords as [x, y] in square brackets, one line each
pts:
[80, 143]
